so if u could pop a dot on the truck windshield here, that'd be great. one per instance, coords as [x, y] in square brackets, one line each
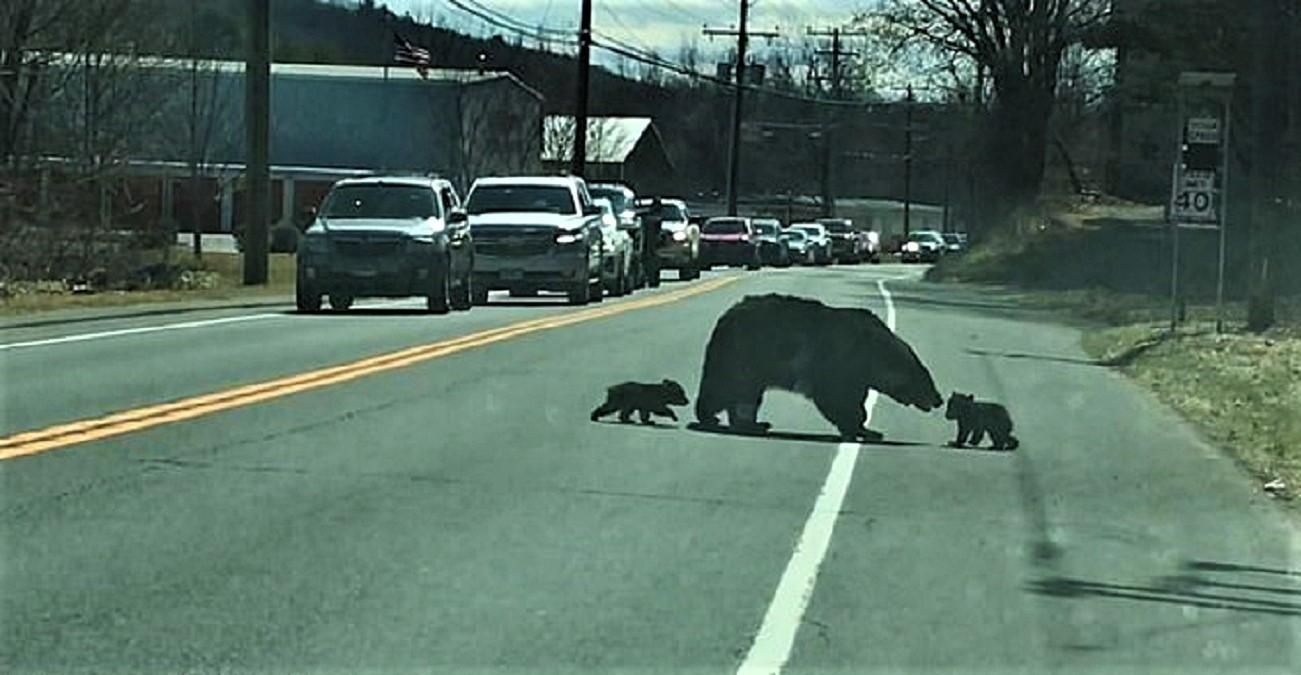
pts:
[521, 199]
[380, 201]
[726, 226]
[618, 198]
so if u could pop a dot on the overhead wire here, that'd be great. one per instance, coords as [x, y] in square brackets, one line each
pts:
[638, 54]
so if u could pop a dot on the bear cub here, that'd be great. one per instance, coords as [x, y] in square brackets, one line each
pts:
[977, 418]
[642, 398]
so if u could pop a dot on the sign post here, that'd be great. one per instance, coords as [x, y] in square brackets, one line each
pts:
[1199, 193]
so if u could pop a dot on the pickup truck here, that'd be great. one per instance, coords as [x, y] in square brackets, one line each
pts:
[536, 233]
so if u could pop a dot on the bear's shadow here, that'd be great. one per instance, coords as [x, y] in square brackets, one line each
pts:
[799, 436]
[637, 424]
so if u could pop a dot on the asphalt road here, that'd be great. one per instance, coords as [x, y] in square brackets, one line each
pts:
[452, 510]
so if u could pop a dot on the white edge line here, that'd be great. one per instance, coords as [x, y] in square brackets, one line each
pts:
[86, 337]
[142, 330]
[772, 646]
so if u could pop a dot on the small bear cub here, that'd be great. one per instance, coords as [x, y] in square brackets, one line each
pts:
[976, 418]
[642, 398]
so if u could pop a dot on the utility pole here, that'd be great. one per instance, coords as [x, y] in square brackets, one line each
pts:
[257, 123]
[579, 163]
[836, 79]
[908, 165]
[742, 35]
[1270, 120]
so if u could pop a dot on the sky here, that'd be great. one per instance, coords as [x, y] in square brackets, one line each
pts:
[663, 25]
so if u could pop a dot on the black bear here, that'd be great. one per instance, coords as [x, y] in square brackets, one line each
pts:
[833, 356]
[646, 399]
[976, 418]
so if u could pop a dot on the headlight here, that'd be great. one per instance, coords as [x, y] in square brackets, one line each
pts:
[680, 235]
[426, 240]
[566, 238]
[912, 247]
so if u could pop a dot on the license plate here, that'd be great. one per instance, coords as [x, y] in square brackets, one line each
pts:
[512, 275]
[365, 273]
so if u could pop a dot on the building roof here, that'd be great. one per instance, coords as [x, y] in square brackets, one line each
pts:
[610, 140]
[313, 70]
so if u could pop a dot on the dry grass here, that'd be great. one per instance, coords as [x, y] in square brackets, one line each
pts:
[1092, 261]
[1242, 391]
[228, 268]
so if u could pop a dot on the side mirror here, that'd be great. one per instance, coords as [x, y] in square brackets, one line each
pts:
[309, 213]
[592, 211]
[457, 217]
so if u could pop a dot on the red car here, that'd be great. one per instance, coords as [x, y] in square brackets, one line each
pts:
[730, 241]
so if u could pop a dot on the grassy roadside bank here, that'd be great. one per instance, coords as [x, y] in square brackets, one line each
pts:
[1242, 391]
[226, 284]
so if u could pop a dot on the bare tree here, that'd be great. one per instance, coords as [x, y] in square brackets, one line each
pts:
[207, 119]
[29, 30]
[501, 130]
[1021, 45]
[604, 136]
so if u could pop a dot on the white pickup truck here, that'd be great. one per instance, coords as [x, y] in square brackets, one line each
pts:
[536, 233]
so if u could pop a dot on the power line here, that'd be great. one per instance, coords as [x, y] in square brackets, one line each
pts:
[621, 48]
[502, 16]
[512, 25]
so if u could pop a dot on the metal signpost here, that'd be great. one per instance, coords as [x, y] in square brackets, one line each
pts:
[1199, 193]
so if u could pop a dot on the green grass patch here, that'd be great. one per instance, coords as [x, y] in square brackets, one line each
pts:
[1108, 265]
[1242, 391]
[227, 276]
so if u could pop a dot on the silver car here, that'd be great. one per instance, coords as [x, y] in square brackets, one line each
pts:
[387, 237]
[819, 241]
[536, 233]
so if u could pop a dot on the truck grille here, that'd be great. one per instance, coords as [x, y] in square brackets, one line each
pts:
[514, 241]
[350, 247]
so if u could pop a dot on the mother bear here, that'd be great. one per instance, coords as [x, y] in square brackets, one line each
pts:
[833, 356]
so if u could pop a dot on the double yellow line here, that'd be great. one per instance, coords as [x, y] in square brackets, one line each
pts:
[139, 419]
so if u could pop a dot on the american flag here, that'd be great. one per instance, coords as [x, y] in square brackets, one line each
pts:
[411, 55]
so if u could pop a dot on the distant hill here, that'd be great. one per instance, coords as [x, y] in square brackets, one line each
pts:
[314, 31]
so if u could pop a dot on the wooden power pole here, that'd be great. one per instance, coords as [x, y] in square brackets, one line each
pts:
[257, 123]
[578, 165]
[742, 35]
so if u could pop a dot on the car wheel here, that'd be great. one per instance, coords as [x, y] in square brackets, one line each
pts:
[439, 300]
[580, 293]
[463, 296]
[307, 299]
[340, 302]
[617, 289]
[598, 290]
[479, 295]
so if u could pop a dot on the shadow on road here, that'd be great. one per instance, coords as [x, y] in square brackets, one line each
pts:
[801, 437]
[1187, 590]
[1211, 566]
[361, 311]
[636, 424]
[1037, 357]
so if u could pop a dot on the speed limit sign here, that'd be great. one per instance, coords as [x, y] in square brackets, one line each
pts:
[1194, 198]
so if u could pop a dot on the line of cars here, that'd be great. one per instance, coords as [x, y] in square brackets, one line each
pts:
[394, 236]
[928, 246]
[758, 242]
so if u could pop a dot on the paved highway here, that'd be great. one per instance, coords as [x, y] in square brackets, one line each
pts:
[385, 491]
